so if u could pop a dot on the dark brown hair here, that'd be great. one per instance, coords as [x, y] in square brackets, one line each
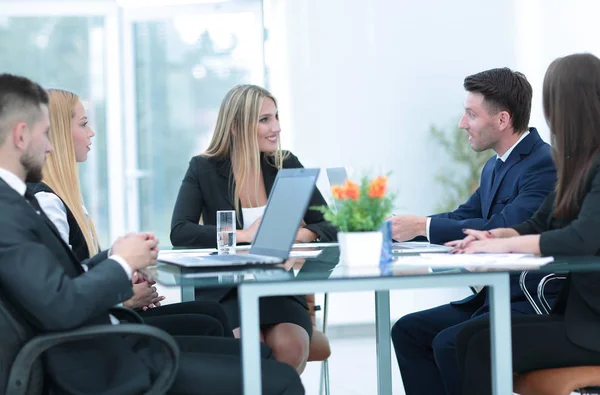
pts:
[504, 90]
[19, 96]
[572, 108]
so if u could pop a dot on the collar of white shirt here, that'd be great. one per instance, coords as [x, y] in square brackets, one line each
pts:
[13, 181]
[504, 157]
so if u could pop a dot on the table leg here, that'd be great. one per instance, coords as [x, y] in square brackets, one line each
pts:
[250, 328]
[502, 372]
[384, 343]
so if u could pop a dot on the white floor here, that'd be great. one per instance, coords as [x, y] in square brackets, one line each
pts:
[352, 369]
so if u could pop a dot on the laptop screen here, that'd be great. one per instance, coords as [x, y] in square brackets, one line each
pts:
[287, 204]
[336, 175]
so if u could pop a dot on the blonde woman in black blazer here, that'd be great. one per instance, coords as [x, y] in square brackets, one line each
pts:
[567, 223]
[237, 172]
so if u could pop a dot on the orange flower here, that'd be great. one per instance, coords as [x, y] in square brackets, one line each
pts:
[351, 190]
[338, 192]
[378, 187]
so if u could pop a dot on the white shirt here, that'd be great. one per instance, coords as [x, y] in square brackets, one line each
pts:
[251, 214]
[55, 210]
[503, 158]
[20, 187]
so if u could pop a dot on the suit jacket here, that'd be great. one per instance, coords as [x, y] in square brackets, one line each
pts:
[519, 188]
[76, 237]
[41, 277]
[579, 299]
[517, 191]
[206, 188]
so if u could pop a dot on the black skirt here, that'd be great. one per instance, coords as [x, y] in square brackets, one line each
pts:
[273, 310]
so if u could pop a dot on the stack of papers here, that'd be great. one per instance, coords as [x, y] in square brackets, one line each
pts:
[474, 260]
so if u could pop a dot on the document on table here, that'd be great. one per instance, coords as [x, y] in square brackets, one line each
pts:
[182, 254]
[473, 260]
[296, 245]
[305, 254]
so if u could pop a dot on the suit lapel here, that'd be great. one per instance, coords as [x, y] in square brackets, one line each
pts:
[522, 149]
[226, 179]
[52, 227]
[44, 223]
[513, 159]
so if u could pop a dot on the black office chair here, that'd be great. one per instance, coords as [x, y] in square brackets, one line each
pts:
[529, 381]
[22, 370]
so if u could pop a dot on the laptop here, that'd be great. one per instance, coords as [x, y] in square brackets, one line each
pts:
[277, 231]
[337, 176]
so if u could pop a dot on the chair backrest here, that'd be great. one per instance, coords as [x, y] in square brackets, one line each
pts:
[14, 333]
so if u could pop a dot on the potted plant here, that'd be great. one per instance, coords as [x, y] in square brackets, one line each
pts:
[360, 212]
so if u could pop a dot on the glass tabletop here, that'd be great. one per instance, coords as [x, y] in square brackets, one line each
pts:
[323, 262]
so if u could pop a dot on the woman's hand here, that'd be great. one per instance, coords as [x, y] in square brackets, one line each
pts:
[305, 236]
[472, 235]
[489, 245]
[145, 295]
[247, 235]
[479, 235]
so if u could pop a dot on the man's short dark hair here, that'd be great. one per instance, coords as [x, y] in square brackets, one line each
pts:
[504, 90]
[19, 97]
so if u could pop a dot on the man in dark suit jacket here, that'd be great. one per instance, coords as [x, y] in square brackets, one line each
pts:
[46, 284]
[514, 183]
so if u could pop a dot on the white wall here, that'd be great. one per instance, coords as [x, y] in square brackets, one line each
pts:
[360, 82]
[364, 80]
[547, 29]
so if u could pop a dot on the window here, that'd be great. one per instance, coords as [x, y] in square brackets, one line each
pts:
[67, 53]
[183, 67]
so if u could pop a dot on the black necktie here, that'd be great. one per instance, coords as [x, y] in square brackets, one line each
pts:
[497, 167]
[30, 197]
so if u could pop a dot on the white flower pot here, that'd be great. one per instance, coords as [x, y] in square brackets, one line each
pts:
[360, 248]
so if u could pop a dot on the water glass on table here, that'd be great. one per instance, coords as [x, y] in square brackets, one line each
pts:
[226, 232]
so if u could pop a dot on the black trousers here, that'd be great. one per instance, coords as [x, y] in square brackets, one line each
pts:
[538, 342]
[425, 346]
[200, 318]
[424, 343]
[212, 366]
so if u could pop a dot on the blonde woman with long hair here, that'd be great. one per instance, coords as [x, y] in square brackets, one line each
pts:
[237, 172]
[60, 198]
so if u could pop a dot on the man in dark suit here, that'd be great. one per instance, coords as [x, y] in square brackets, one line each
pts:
[514, 183]
[46, 284]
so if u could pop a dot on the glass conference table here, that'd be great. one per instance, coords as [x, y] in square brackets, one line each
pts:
[308, 273]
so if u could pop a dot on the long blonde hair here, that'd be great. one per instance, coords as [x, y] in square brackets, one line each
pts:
[60, 171]
[235, 136]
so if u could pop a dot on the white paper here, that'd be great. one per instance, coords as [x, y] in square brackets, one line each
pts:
[473, 260]
[305, 254]
[296, 245]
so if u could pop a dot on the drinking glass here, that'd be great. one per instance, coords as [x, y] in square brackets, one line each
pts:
[226, 232]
